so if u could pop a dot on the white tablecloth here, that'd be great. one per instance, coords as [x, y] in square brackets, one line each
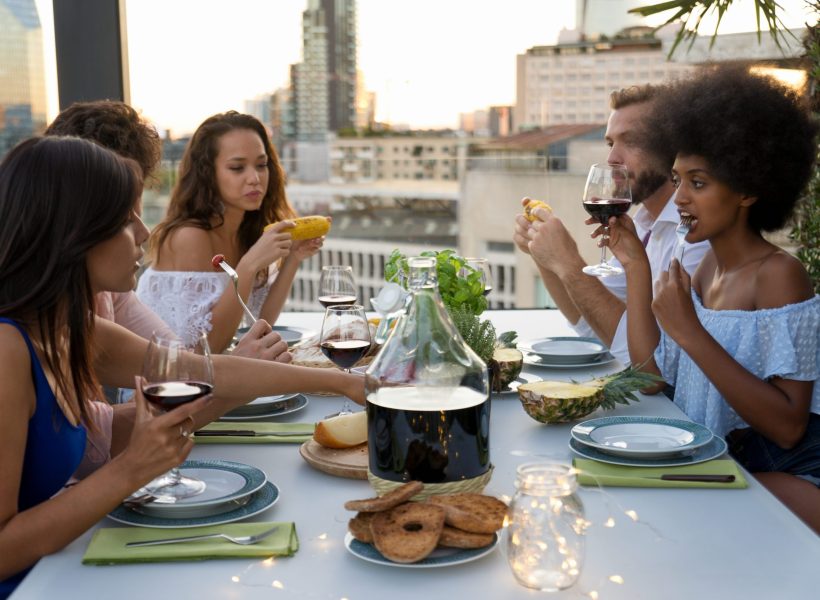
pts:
[685, 544]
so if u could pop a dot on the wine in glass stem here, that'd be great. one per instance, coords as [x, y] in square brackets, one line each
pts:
[606, 194]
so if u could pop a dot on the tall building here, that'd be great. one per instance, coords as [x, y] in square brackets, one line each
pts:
[22, 78]
[324, 83]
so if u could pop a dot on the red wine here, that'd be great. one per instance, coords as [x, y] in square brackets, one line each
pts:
[434, 444]
[171, 394]
[337, 299]
[345, 353]
[604, 208]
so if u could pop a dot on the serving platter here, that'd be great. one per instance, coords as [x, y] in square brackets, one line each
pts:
[351, 463]
[440, 557]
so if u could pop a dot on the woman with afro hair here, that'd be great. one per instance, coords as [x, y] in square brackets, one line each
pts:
[740, 337]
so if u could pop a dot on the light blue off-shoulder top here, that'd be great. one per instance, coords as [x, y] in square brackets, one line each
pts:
[776, 342]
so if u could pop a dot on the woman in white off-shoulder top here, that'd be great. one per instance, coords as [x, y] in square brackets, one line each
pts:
[230, 187]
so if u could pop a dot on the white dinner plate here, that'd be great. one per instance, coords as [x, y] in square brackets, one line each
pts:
[642, 437]
[440, 557]
[226, 484]
[260, 500]
[536, 361]
[714, 448]
[566, 350]
[275, 409]
[513, 387]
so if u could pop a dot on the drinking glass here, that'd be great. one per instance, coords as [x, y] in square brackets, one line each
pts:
[336, 286]
[345, 338]
[606, 194]
[175, 373]
[482, 266]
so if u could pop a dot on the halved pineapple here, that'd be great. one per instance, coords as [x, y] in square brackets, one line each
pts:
[559, 401]
[505, 366]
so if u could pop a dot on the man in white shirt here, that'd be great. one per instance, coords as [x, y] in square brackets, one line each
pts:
[593, 306]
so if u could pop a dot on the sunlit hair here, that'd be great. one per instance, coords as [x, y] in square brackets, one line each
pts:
[114, 125]
[60, 197]
[756, 135]
[195, 200]
[635, 94]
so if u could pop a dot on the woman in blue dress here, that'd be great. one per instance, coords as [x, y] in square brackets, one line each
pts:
[740, 339]
[70, 227]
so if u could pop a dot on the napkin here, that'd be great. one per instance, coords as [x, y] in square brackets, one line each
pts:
[107, 547]
[592, 473]
[259, 427]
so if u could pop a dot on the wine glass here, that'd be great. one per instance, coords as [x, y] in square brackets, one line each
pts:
[175, 373]
[336, 286]
[345, 338]
[606, 194]
[482, 266]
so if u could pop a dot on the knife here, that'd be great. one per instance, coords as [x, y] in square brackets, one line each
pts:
[249, 433]
[703, 478]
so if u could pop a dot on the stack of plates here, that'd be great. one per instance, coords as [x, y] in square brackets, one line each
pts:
[267, 406]
[566, 352]
[234, 491]
[645, 441]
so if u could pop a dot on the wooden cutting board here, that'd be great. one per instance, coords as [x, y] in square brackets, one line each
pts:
[345, 462]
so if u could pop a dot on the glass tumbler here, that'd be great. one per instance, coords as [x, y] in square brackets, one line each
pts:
[545, 537]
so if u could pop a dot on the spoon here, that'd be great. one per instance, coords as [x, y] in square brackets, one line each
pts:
[218, 262]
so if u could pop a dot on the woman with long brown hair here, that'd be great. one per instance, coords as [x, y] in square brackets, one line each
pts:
[231, 186]
[70, 227]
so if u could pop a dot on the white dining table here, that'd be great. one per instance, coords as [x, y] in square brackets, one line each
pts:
[642, 543]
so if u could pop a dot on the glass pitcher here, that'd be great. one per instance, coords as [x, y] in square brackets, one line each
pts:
[428, 409]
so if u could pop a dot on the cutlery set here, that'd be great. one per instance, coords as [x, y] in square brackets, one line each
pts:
[249, 433]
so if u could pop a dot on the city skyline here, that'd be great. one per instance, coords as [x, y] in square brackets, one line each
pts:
[188, 64]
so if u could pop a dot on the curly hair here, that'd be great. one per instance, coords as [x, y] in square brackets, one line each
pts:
[195, 200]
[756, 135]
[113, 125]
[635, 94]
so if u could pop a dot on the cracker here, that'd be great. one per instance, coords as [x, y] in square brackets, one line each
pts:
[458, 538]
[388, 501]
[407, 533]
[475, 513]
[359, 527]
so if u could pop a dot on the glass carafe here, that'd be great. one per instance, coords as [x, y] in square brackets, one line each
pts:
[428, 409]
[545, 536]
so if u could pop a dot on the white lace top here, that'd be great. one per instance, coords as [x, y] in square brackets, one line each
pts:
[184, 299]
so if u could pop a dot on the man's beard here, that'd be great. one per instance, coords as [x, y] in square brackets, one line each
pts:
[646, 184]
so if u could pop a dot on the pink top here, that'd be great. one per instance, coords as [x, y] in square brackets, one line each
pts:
[126, 310]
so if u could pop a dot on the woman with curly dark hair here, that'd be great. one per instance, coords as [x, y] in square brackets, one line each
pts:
[740, 339]
[231, 186]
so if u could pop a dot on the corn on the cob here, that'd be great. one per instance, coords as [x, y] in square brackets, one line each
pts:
[307, 228]
[532, 205]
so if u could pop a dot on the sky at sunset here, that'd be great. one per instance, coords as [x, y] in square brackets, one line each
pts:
[427, 60]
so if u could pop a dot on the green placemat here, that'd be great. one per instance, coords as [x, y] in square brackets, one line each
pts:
[266, 433]
[108, 547]
[592, 472]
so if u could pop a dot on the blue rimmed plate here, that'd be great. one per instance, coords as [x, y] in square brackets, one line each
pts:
[226, 483]
[535, 360]
[714, 448]
[265, 407]
[440, 557]
[512, 389]
[566, 350]
[259, 501]
[642, 437]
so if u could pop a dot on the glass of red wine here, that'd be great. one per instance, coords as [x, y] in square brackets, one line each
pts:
[175, 373]
[606, 194]
[336, 286]
[345, 338]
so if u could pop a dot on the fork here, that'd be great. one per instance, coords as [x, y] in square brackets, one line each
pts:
[681, 230]
[219, 261]
[242, 540]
